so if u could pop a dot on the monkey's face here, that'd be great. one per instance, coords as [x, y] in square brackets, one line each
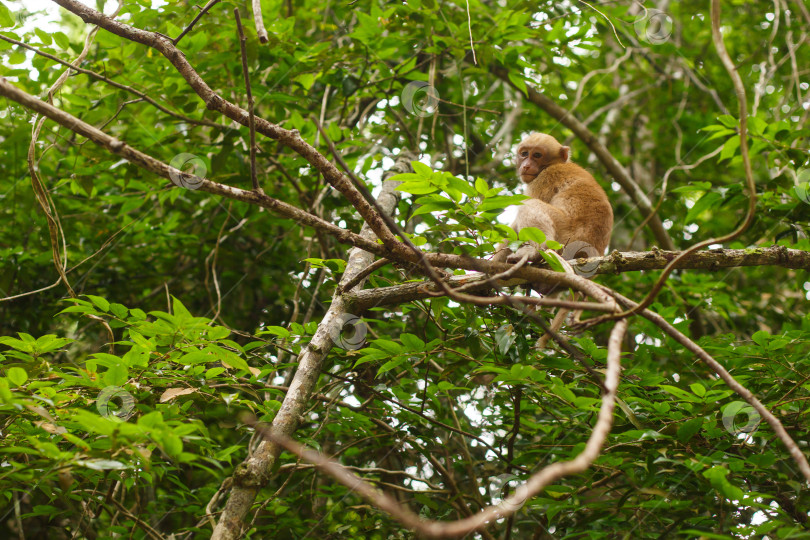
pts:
[537, 152]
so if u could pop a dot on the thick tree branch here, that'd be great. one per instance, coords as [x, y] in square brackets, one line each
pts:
[216, 102]
[614, 263]
[255, 472]
[163, 170]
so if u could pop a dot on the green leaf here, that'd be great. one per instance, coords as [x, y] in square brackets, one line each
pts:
[99, 302]
[552, 261]
[102, 464]
[730, 148]
[61, 40]
[757, 125]
[6, 19]
[463, 186]
[417, 188]
[421, 169]
[718, 478]
[391, 364]
[500, 201]
[180, 310]
[213, 372]
[412, 342]
[227, 357]
[688, 429]
[171, 443]
[505, 338]
[519, 82]
[708, 201]
[531, 234]
[17, 375]
[404, 177]
[728, 120]
[437, 206]
[275, 330]
[43, 36]
[392, 347]
[683, 395]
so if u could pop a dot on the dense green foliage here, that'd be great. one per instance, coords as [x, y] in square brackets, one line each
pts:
[209, 301]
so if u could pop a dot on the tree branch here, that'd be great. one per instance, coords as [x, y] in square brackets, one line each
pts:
[216, 102]
[255, 472]
[614, 263]
[163, 170]
[507, 507]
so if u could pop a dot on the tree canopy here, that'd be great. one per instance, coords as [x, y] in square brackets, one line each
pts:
[246, 287]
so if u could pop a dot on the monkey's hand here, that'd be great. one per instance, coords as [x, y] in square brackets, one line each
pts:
[501, 253]
[531, 249]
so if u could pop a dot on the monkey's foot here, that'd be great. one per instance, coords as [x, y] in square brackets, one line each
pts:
[527, 249]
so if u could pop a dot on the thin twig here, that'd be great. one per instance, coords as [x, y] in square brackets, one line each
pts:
[469, 27]
[254, 179]
[199, 16]
[261, 31]
[370, 269]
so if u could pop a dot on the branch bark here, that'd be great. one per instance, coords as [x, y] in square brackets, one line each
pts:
[614, 263]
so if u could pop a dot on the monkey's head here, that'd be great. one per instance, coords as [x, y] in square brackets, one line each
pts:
[537, 152]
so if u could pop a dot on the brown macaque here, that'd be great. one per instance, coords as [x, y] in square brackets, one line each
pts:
[566, 202]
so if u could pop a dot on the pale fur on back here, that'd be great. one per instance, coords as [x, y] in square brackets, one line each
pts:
[588, 215]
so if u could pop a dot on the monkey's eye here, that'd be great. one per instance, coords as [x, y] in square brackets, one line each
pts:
[538, 155]
[524, 153]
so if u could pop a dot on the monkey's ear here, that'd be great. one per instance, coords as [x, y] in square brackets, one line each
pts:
[564, 153]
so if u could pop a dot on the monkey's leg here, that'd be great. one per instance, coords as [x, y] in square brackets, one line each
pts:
[562, 313]
[501, 253]
[555, 326]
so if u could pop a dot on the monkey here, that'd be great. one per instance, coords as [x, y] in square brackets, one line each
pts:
[566, 203]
